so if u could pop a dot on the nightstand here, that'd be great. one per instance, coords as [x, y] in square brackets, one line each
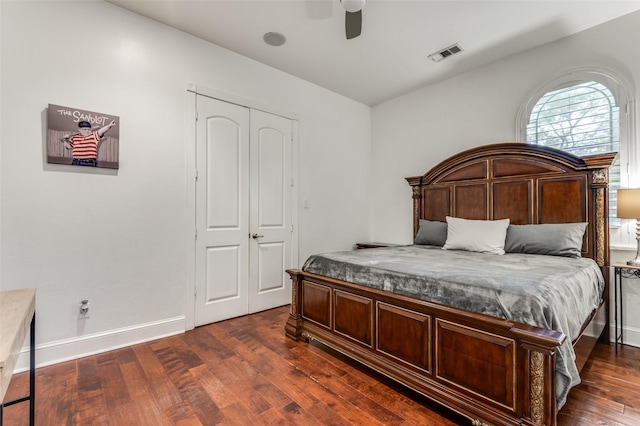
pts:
[373, 245]
[621, 270]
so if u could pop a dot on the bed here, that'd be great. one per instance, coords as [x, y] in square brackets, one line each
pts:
[477, 361]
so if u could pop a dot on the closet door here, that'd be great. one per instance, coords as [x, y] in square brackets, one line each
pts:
[270, 251]
[222, 210]
[243, 210]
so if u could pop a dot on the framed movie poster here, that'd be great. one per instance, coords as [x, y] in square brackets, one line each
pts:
[82, 138]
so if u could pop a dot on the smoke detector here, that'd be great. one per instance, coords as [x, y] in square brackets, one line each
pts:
[445, 53]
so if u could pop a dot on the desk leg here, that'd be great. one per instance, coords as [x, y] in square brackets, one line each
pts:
[621, 312]
[617, 288]
[617, 278]
[32, 379]
[32, 373]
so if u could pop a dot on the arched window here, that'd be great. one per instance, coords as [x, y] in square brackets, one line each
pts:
[585, 112]
[582, 119]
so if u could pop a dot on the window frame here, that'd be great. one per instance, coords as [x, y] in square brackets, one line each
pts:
[623, 94]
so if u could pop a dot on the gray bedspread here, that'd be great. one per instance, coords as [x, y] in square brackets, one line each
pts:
[556, 293]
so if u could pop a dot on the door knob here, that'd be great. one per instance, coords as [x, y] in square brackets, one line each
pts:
[256, 236]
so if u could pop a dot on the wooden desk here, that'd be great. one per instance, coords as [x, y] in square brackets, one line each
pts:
[17, 315]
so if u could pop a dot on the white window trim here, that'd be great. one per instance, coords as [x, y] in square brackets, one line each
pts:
[624, 95]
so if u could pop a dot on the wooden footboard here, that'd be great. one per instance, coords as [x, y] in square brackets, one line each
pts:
[494, 371]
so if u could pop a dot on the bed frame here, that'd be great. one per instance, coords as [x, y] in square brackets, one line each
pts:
[491, 370]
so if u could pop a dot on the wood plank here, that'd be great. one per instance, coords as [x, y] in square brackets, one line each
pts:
[187, 385]
[140, 390]
[124, 409]
[164, 391]
[92, 407]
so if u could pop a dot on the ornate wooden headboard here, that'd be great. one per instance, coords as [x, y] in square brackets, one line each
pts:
[529, 184]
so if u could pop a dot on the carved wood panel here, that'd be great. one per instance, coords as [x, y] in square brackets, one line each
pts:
[478, 362]
[436, 203]
[404, 334]
[471, 201]
[514, 201]
[316, 303]
[472, 171]
[354, 317]
[563, 200]
[514, 167]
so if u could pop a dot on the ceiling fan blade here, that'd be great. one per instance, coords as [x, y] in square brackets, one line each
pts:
[353, 24]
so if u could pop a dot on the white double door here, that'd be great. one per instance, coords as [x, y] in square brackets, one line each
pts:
[243, 210]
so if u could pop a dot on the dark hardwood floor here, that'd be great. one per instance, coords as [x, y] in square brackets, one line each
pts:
[245, 372]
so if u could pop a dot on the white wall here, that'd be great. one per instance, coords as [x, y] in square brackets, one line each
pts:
[119, 239]
[0, 155]
[412, 133]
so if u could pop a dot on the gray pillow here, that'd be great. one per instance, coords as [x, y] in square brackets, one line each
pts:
[555, 239]
[432, 233]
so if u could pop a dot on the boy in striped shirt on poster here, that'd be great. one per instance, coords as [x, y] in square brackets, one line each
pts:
[84, 144]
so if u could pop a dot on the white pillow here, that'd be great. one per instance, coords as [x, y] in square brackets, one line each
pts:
[486, 236]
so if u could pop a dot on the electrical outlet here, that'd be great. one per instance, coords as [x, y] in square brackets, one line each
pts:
[83, 311]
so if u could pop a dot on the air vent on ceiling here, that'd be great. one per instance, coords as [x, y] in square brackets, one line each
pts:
[445, 53]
